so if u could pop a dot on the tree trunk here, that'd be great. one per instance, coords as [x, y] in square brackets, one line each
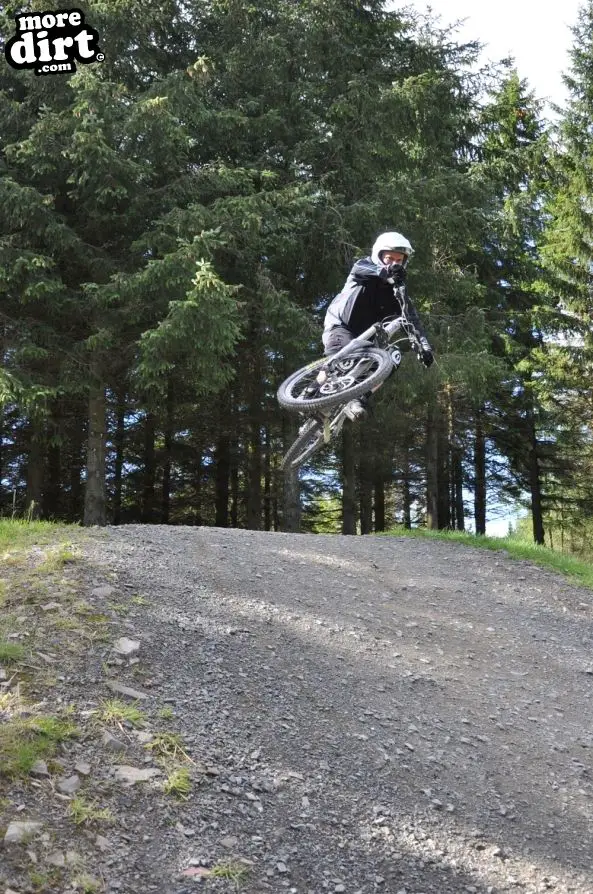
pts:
[276, 487]
[348, 481]
[448, 452]
[535, 483]
[95, 512]
[52, 492]
[235, 483]
[35, 468]
[168, 455]
[365, 482]
[458, 483]
[432, 470]
[76, 450]
[255, 390]
[149, 475]
[480, 475]
[291, 490]
[406, 501]
[445, 431]
[404, 489]
[267, 483]
[222, 474]
[254, 473]
[366, 506]
[198, 471]
[379, 504]
[119, 441]
[291, 516]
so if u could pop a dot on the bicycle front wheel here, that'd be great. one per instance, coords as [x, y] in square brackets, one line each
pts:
[354, 375]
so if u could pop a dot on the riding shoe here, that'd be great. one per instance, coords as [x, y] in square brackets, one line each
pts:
[355, 409]
[310, 422]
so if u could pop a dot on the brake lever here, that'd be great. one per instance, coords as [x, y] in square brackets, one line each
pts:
[382, 338]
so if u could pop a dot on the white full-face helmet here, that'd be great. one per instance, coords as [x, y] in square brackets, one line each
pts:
[391, 242]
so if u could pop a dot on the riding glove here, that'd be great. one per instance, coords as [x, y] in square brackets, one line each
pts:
[397, 273]
[425, 354]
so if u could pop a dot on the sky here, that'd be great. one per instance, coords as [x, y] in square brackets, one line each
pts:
[538, 36]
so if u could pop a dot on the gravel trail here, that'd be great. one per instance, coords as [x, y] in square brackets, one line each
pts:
[362, 715]
[368, 713]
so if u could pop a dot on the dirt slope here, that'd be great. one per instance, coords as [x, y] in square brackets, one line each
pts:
[364, 714]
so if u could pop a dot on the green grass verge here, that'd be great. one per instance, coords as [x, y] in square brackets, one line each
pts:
[576, 570]
[18, 533]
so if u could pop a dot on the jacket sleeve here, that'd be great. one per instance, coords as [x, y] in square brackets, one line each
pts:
[365, 269]
[412, 314]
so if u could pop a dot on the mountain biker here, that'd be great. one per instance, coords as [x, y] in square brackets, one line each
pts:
[367, 297]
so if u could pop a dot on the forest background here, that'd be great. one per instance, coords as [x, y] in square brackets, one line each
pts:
[175, 219]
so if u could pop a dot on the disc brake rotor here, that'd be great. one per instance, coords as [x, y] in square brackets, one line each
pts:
[345, 365]
[337, 385]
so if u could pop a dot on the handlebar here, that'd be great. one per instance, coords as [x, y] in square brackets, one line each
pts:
[389, 326]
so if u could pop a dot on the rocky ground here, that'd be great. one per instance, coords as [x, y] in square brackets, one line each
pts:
[313, 714]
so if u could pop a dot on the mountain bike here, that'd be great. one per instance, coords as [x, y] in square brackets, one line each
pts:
[322, 389]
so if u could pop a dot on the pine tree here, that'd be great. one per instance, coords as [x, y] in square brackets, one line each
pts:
[515, 155]
[567, 254]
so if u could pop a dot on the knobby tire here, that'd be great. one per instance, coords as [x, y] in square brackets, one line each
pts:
[308, 442]
[310, 404]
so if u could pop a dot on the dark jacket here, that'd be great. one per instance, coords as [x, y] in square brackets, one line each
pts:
[366, 298]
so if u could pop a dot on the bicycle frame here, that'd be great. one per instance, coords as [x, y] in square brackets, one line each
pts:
[381, 333]
[389, 328]
[332, 418]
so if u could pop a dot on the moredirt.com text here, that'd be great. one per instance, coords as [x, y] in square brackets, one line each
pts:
[50, 42]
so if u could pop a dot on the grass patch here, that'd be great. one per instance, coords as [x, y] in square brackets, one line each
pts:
[178, 783]
[234, 872]
[168, 746]
[10, 701]
[97, 618]
[43, 881]
[80, 607]
[61, 623]
[24, 741]
[11, 653]
[166, 713]
[119, 608]
[56, 559]
[87, 884]
[83, 811]
[116, 711]
[575, 569]
[168, 749]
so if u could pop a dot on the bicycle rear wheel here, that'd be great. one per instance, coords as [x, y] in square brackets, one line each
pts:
[310, 440]
[353, 376]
